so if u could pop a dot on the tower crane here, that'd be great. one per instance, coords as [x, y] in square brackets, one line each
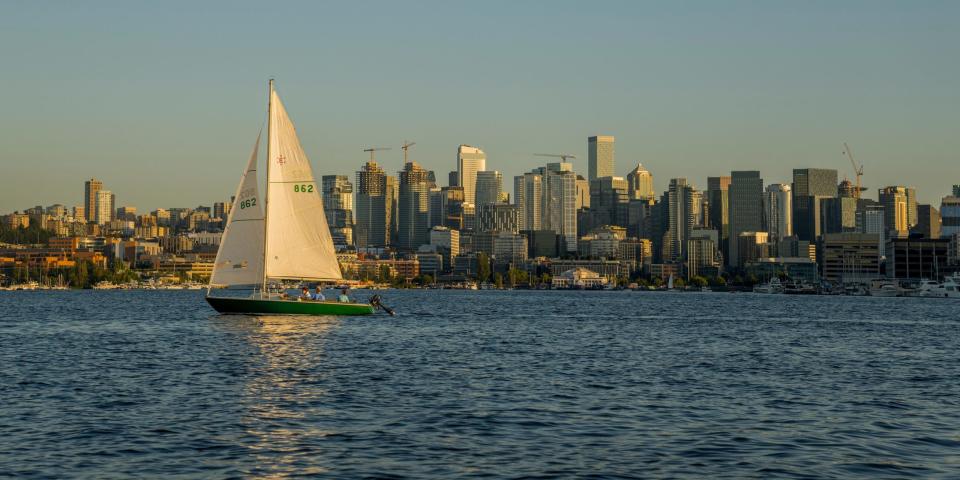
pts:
[562, 156]
[375, 149]
[406, 146]
[858, 170]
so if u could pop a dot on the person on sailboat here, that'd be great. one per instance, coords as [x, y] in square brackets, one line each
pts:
[318, 295]
[343, 298]
[305, 294]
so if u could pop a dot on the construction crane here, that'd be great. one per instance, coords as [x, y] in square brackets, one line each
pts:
[858, 170]
[563, 156]
[406, 146]
[375, 149]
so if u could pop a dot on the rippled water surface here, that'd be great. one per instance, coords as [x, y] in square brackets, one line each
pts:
[497, 384]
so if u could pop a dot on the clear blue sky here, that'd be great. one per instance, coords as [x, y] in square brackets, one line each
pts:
[162, 100]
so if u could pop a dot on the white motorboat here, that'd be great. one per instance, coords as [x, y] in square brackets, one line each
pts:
[773, 286]
[884, 289]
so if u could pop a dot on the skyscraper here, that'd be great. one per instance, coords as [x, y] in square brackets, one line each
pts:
[680, 219]
[718, 189]
[950, 216]
[810, 185]
[90, 189]
[640, 184]
[777, 211]
[103, 208]
[374, 200]
[489, 187]
[956, 191]
[870, 219]
[413, 207]
[558, 209]
[894, 201]
[583, 193]
[600, 157]
[528, 197]
[911, 207]
[470, 160]
[608, 201]
[338, 207]
[746, 208]
[928, 222]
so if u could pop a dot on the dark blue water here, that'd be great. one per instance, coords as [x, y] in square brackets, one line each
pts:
[486, 384]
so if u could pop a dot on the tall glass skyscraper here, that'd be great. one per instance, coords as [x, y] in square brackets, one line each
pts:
[746, 208]
[777, 211]
[810, 185]
[600, 157]
[489, 185]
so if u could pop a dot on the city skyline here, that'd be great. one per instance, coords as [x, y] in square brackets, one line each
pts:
[870, 74]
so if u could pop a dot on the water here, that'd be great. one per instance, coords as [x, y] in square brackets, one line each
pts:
[496, 384]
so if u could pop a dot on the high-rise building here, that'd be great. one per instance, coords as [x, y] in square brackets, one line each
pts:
[498, 217]
[90, 189]
[103, 208]
[219, 210]
[680, 219]
[640, 184]
[751, 246]
[489, 187]
[128, 214]
[338, 207]
[810, 185]
[911, 206]
[374, 207]
[746, 209]
[701, 256]
[894, 201]
[528, 197]
[956, 190]
[608, 201]
[470, 160]
[778, 211]
[583, 193]
[838, 215]
[950, 215]
[870, 220]
[718, 189]
[413, 207]
[851, 257]
[928, 222]
[558, 208]
[600, 157]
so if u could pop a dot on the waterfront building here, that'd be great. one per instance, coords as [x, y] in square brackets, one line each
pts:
[894, 201]
[337, 191]
[509, 248]
[579, 278]
[810, 185]
[489, 187]
[917, 258]
[413, 207]
[470, 160]
[602, 243]
[374, 207]
[870, 219]
[928, 222]
[640, 184]
[600, 157]
[609, 269]
[431, 262]
[850, 257]
[90, 189]
[499, 217]
[798, 269]
[950, 215]
[745, 210]
[701, 256]
[103, 209]
[778, 211]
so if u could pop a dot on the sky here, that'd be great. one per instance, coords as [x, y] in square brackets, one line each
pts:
[162, 101]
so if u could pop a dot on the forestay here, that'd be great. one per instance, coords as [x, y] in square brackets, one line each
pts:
[240, 257]
[299, 244]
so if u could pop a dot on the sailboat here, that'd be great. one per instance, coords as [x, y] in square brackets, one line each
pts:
[289, 240]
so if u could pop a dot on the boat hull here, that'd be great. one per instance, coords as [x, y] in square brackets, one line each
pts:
[286, 307]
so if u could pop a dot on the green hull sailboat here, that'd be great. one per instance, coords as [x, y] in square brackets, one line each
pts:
[288, 240]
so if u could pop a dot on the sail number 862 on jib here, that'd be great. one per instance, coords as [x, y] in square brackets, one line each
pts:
[303, 188]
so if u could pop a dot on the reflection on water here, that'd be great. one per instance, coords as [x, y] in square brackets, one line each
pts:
[283, 396]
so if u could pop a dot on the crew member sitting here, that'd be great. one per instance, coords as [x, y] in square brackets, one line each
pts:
[343, 298]
[305, 294]
[318, 296]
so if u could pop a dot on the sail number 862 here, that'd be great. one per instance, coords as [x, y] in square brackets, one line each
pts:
[248, 203]
[303, 188]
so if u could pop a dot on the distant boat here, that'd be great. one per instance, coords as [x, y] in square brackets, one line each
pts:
[884, 289]
[290, 240]
[773, 286]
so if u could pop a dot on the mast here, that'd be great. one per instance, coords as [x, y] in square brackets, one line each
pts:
[266, 196]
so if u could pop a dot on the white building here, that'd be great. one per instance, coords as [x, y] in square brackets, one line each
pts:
[103, 211]
[777, 210]
[470, 160]
[579, 278]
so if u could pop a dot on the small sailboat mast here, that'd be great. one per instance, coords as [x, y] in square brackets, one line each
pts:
[266, 196]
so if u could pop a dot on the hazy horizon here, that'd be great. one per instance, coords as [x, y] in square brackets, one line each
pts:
[162, 102]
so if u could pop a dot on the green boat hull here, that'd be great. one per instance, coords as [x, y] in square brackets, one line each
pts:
[252, 306]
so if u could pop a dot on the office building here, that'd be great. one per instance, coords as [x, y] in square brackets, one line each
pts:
[103, 207]
[928, 222]
[583, 193]
[608, 201]
[528, 197]
[838, 215]
[701, 256]
[337, 194]
[499, 217]
[558, 208]
[752, 246]
[956, 190]
[374, 207]
[870, 220]
[470, 160]
[600, 157]
[718, 218]
[894, 201]
[850, 257]
[489, 187]
[509, 248]
[778, 211]
[640, 184]
[745, 210]
[810, 185]
[911, 206]
[950, 215]
[680, 202]
[917, 258]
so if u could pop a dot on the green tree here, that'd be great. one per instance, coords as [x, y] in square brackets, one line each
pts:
[483, 267]
[498, 280]
[384, 274]
[698, 281]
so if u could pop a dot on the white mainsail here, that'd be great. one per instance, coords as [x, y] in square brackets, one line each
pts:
[299, 245]
[240, 257]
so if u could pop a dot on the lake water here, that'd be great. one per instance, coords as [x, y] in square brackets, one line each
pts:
[486, 384]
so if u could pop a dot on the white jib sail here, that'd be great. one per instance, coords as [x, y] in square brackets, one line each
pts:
[299, 244]
[240, 257]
